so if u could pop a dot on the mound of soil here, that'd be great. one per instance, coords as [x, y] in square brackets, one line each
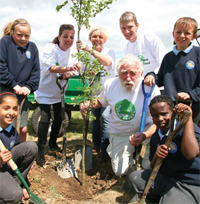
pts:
[51, 188]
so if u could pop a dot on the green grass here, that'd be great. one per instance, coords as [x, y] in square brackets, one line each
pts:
[30, 129]
[75, 128]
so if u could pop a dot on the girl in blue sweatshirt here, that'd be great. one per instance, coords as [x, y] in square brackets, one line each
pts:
[19, 65]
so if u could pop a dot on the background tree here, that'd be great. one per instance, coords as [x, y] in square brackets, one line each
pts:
[82, 11]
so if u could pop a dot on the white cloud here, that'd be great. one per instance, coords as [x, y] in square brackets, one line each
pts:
[154, 16]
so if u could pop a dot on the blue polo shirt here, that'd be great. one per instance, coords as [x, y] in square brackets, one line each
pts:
[175, 164]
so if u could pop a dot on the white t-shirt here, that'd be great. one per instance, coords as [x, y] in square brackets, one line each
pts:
[147, 47]
[126, 107]
[110, 69]
[48, 91]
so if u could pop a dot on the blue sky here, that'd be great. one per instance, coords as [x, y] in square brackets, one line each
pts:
[155, 16]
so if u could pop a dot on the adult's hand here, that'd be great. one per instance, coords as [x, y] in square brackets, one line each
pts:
[83, 107]
[74, 67]
[137, 139]
[81, 46]
[66, 75]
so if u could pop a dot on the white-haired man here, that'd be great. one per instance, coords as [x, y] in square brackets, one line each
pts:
[125, 97]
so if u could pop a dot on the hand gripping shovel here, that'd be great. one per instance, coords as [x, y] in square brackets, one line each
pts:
[13, 166]
[160, 160]
[147, 95]
[65, 168]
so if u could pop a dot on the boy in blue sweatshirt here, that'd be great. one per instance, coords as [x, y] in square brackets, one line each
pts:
[180, 69]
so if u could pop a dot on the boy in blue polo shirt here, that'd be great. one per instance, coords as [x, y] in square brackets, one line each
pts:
[180, 69]
[178, 180]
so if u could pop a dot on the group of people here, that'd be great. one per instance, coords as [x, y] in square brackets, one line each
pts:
[118, 111]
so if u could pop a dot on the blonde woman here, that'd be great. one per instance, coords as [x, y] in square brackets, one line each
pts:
[106, 56]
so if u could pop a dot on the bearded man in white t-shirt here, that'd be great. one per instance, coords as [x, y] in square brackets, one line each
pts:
[125, 97]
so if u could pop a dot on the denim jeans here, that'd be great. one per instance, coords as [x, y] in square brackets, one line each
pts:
[100, 128]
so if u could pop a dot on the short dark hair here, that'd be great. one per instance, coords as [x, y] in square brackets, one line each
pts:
[7, 94]
[162, 98]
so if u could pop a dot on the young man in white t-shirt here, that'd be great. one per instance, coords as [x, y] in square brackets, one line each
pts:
[125, 97]
[148, 47]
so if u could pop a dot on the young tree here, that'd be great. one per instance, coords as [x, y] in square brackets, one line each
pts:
[82, 11]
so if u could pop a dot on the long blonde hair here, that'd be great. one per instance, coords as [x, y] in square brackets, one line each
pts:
[10, 27]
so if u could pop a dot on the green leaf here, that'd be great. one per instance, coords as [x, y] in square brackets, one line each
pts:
[58, 7]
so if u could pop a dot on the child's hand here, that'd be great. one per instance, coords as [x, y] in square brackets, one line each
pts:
[25, 194]
[5, 156]
[25, 91]
[137, 139]
[180, 108]
[162, 151]
[183, 96]
[18, 90]
[149, 80]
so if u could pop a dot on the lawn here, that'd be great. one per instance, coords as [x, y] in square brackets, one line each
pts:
[74, 129]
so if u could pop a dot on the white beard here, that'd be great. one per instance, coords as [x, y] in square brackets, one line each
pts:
[129, 88]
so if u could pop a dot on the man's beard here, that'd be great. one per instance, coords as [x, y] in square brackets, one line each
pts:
[129, 88]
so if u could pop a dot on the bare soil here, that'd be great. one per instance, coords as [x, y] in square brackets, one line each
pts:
[101, 185]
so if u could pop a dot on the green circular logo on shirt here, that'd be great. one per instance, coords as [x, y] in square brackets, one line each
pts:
[125, 110]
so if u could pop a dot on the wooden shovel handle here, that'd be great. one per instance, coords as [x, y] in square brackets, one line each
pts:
[19, 115]
[160, 160]
[11, 163]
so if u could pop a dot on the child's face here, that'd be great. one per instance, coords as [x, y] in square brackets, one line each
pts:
[183, 35]
[21, 35]
[161, 115]
[8, 111]
[66, 39]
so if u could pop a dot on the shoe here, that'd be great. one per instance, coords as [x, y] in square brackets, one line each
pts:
[40, 159]
[55, 147]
